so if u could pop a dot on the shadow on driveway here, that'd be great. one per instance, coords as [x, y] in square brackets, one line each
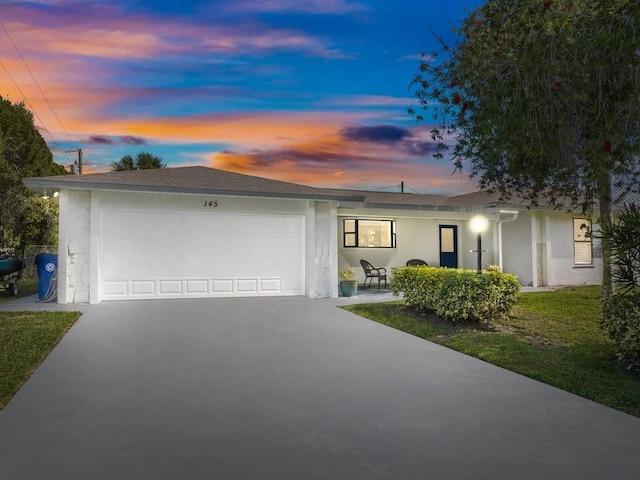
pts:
[291, 388]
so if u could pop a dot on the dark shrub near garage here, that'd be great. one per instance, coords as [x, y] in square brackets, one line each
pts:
[457, 295]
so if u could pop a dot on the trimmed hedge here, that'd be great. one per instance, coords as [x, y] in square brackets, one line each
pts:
[621, 320]
[457, 295]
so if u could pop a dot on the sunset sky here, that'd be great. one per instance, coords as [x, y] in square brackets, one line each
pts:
[307, 91]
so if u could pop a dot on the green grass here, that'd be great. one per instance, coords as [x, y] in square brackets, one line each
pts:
[25, 288]
[554, 337]
[26, 338]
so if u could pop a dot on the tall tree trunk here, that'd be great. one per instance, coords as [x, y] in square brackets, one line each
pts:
[606, 217]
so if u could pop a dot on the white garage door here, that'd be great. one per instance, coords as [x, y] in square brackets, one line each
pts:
[153, 254]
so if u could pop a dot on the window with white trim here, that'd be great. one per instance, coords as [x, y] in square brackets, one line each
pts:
[366, 233]
[582, 251]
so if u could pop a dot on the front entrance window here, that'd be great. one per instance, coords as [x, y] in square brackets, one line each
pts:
[446, 240]
[363, 233]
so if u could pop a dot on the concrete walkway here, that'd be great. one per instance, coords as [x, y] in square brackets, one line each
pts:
[291, 388]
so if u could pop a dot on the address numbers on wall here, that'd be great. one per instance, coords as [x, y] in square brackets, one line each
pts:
[211, 203]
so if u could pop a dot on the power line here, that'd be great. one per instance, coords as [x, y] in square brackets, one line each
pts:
[404, 187]
[53, 140]
[34, 79]
[394, 188]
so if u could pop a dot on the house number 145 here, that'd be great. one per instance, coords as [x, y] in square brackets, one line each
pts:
[211, 203]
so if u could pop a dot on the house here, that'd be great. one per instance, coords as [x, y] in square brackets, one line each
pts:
[193, 232]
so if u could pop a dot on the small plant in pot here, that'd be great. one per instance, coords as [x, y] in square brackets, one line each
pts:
[348, 284]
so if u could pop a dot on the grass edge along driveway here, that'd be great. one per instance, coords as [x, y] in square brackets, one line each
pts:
[26, 338]
[554, 337]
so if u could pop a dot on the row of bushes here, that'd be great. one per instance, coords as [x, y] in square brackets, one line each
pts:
[455, 294]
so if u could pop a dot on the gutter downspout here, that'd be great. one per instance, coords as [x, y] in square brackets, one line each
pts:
[512, 218]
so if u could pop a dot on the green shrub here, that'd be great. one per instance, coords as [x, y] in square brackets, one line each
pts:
[621, 310]
[621, 320]
[457, 295]
[625, 248]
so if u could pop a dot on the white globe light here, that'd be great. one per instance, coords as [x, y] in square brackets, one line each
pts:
[479, 224]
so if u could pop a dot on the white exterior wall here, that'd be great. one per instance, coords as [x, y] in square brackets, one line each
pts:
[417, 236]
[74, 247]
[562, 270]
[321, 250]
[518, 248]
[195, 203]
[538, 247]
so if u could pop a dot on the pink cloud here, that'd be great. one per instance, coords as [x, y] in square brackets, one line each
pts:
[107, 34]
[326, 169]
[251, 130]
[254, 37]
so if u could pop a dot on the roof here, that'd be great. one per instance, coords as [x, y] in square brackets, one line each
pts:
[187, 180]
[623, 195]
[395, 199]
[478, 199]
[466, 202]
[211, 181]
[629, 198]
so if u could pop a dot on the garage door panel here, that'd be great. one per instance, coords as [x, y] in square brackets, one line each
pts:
[170, 287]
[222, 286]
[172, 254]
[143, 288]
[196, 287]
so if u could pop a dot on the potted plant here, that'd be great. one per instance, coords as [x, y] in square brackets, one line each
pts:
[348, 284]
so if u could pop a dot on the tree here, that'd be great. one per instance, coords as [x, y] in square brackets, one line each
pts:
[23, 153]
[621, 310]
[542, 98]
[623, 236]
[143, 161]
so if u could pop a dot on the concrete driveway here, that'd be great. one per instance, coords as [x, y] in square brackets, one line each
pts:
[291, 388]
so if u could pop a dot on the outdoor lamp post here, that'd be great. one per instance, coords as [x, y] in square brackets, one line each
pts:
[479, 225]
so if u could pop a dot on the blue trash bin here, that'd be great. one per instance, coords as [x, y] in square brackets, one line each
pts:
[47, 264]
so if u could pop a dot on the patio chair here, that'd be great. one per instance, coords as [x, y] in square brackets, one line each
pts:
[371, 272]
[416, 262]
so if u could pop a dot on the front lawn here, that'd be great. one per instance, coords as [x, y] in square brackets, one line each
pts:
[554, 337]
[26, 338]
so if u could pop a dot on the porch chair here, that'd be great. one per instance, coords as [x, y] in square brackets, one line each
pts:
[371, 272]
[416, 262]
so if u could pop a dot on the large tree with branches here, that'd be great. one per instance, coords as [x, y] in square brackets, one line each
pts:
[25, 218]
[541, 100]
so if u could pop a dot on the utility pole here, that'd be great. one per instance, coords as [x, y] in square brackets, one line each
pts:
[402, 187]
[76, 168]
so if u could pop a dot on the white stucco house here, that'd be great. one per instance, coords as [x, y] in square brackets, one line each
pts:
[194, 232]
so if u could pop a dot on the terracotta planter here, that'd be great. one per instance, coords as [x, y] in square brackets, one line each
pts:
[348, 288]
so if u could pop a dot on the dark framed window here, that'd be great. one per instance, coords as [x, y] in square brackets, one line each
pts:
[366, 233]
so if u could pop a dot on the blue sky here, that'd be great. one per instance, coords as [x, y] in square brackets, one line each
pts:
[309, 91]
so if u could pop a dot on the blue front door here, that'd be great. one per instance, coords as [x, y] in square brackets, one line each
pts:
[449, 246]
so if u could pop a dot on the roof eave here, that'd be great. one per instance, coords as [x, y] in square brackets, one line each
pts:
[40, 185]
[416, 207]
